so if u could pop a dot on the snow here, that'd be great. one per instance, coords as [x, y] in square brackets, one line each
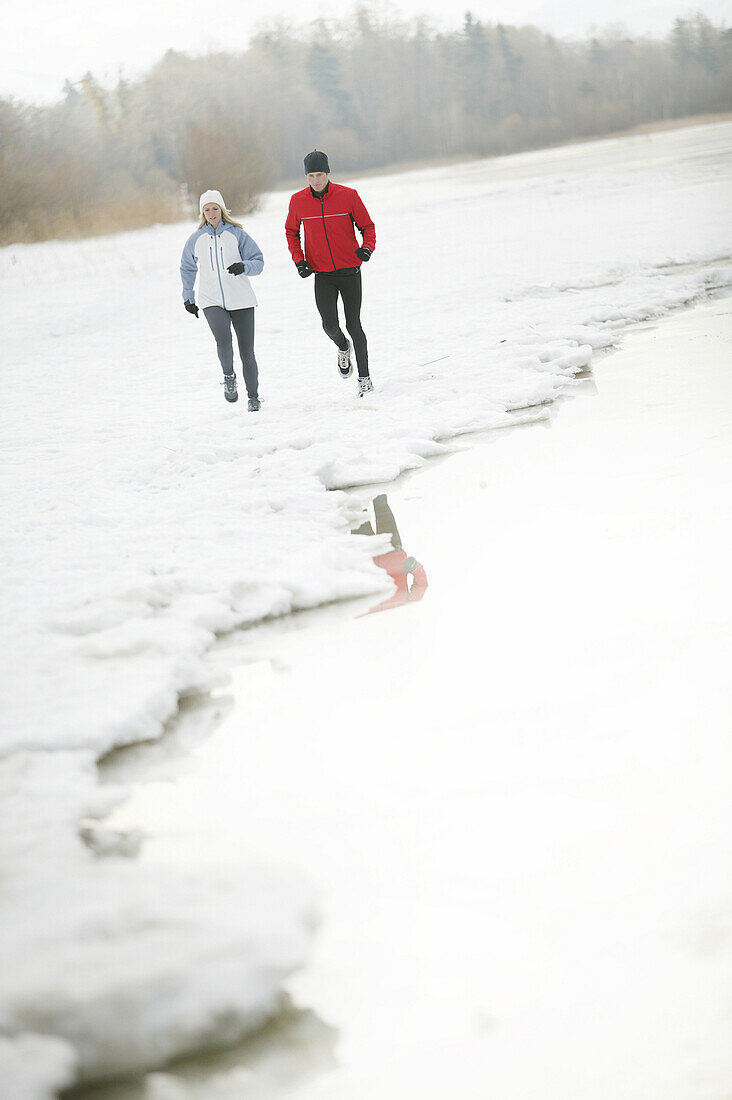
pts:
[119, 937]
[145, 517]
[35, 1066]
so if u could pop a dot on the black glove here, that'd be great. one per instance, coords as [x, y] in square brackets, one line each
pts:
[236, 269]
[192, 308]
[304, 269]
[364, 253]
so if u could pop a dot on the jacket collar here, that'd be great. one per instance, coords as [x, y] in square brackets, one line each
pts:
[322, 193]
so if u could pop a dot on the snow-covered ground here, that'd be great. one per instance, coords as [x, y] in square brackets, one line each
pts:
[144, 516]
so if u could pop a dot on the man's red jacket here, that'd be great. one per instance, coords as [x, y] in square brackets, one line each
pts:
[327, 226]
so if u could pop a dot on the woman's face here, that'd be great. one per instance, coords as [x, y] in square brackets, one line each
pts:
[212, 213]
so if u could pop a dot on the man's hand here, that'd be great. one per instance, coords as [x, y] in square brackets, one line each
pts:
[364, 253]
[236, 269]
[304, 269]
[192, 308]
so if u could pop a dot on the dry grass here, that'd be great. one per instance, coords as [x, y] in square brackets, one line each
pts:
[113, 216]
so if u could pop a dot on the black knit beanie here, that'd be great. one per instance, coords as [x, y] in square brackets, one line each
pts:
[316, 162]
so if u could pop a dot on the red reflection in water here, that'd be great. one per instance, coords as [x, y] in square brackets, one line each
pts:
[406, 572]
[395, 563]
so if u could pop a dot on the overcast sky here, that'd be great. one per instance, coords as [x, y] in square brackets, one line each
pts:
[43, 42]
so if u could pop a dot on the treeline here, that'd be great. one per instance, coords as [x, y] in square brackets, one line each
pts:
[371, 92]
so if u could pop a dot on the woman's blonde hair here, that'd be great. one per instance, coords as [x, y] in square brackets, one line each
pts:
[225, 217]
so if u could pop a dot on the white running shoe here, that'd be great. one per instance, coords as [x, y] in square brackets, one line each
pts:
[365, 385]
[345, 366]
[230, 391]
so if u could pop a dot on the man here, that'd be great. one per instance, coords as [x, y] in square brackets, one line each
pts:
[395, 561]
[327, 212]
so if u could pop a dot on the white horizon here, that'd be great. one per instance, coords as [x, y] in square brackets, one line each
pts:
[47, 48]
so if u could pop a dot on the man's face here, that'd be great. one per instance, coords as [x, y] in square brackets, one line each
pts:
[318, 181]
[212, 213]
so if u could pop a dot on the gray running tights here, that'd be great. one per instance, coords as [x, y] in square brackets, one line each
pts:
[220, 322]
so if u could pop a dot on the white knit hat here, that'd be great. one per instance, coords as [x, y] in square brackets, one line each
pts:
[212, 196]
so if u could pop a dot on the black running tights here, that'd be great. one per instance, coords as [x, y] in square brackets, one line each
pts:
[328, 285]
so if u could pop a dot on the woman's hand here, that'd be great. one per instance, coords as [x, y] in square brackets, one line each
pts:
[236, 269]
[192, 308]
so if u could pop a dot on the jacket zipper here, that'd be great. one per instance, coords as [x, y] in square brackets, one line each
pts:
[322, 212]
[218, 272]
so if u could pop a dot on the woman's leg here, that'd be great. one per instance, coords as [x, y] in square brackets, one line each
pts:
[243, 322]
[326, 299]
[220, 325]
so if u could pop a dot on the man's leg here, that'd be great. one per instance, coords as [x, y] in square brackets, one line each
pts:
[220, 325]
[385, 521]
[326, 299]
[350, 288]
[243, 322]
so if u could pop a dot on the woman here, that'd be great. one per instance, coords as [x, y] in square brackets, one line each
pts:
[224, 256]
